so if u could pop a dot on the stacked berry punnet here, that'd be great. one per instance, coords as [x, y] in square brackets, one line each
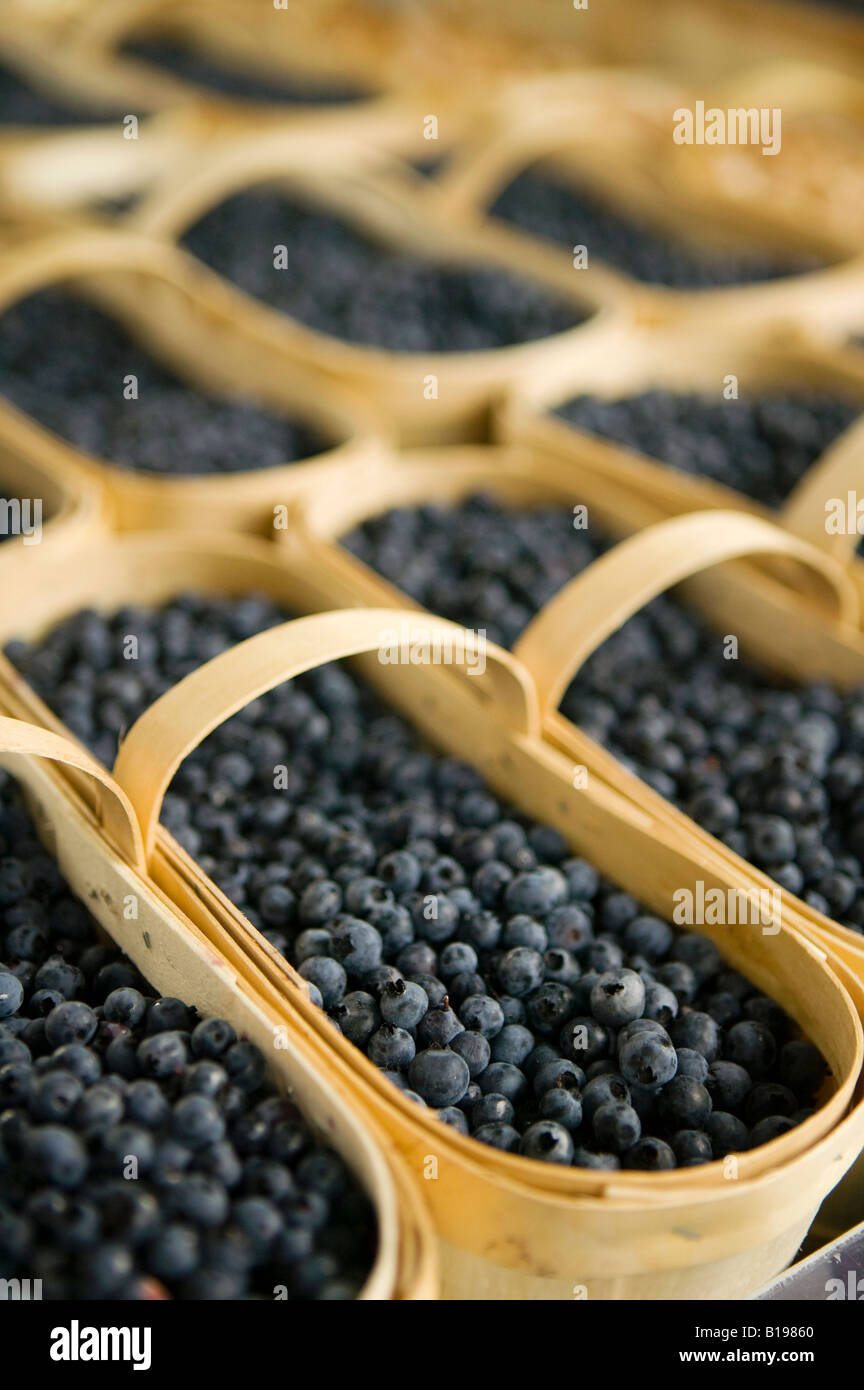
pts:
[231, 81]
[551, 208]
[761, 446]
[66, 364]
[488, 973]
[775, 771]
[337, 281]
[230, 1195]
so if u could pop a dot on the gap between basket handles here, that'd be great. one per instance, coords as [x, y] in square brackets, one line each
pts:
[182, 718]
[839, 472]
[588, 609]
[20, 741]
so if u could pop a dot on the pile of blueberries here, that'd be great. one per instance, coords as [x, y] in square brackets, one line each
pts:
[21, 104]
[339, 282]
[761, 446]
[491, 975]
[775, 771]
[142, 1153]
[551, 208]
[193, 65]
[170, 428]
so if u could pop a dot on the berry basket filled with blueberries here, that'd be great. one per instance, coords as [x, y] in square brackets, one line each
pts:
[488, 538]
[154, 1147]
[470, 917]
[461, 957]
[171, 405]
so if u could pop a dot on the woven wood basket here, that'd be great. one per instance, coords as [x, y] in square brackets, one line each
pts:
[179, 961]
[555, 1221]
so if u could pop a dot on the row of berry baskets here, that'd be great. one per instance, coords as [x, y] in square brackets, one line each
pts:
[429, 896]
[511, 1222]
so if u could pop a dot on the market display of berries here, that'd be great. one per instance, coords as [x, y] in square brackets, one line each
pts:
[81, 391]
[761, 445]
[551, 208]
[334, 279]
[194, 65]
[143, 1154]
[774, 770]
[488, 973]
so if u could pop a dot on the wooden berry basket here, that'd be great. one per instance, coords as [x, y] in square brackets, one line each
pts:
[515, 1228]
[782, 361]
[388, 201]
[664, 186]
[108, 874]
[799, 630]
[194, 332]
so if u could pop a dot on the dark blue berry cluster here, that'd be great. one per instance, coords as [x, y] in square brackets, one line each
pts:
[78, 389]
[551, 208]
[777, 772]
[761, 446]
[23, 104]
[142, 1152]
[488, 973]
[238, 83]
[338, 282]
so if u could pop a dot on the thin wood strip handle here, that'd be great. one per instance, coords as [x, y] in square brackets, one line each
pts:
[183, 717]
[838, 472]
[119, 822]
[597, 602]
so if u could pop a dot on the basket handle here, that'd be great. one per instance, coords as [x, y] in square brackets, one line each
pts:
[838, 472]
[183, 717]
[597, 602]
[19, 739]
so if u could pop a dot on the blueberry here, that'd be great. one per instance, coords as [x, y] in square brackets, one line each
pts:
[563, 1106]
[684, 1103]
[607, 1089]
[752, 1046]
[504, 1079]
[549, 1006]
[537, 892]
[693, 1064]
[70, 1022]
[499, 1136]
[392, 1049]
[163, 1055]
[440, 1076]
[474, 1048]
[512, 1044]
[481, 1014]
[802, 1067]
[651, 1154]
[455, 1118]
[328, 975]
[649, 1059]
[492, 1109]
[520, 970]
[57, 1155]
[692, 1147]
[727, 1133]
[547, 1141]
[212, 1037]
[11, 995]
[771, 1127]
[697, 1031]
[616, 1126]
[356, 944]
[617, 997]
[358, 1015]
